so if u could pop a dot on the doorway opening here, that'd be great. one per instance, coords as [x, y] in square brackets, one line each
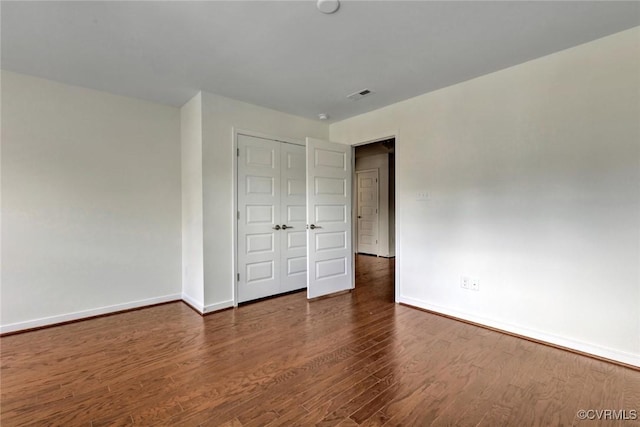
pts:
[292, 226]
[374, 229]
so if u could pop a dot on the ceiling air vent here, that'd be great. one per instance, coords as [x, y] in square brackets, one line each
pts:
[359, 94]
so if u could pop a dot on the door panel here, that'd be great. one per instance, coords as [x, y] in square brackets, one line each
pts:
[327, 214]
[329, 268]
[296, 213]
[259, 264]
[258, 243]
[330, 259]
[328, 241]
[260, 271]
[367, 187]
[259, 214]
[329, 186]
[293, 246]
[297, 240]
[297, 266]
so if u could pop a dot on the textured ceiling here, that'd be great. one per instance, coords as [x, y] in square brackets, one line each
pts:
[286, 55]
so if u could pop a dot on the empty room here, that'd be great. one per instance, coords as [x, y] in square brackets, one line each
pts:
[354, 213]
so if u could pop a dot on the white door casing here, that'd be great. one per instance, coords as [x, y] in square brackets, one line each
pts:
[271, 195]
[329, 253]
[367, 188]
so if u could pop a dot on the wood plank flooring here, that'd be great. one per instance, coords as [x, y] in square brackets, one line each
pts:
[356, 359]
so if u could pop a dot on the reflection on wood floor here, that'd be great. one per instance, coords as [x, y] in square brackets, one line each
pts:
[354, 359]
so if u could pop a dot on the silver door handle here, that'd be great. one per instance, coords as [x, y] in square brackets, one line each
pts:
[277, 227]
[285, 226]
[313, 227]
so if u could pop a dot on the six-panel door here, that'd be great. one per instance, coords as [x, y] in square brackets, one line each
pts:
[330, 257]
[293, 217]
[367, 187]
[271, 220]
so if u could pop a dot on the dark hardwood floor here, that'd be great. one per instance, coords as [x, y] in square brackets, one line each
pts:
[355, 359]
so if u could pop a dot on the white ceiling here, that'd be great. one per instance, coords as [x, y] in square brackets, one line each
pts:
[285, 54]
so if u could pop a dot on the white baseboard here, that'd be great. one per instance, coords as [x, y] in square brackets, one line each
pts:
[196, 305]
[217, 306]
[78, 315]
[620, 356]
[205, 309]
[84, 314]
[607, 353]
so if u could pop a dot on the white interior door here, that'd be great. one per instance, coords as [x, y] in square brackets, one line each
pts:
[367, 187]
[329, 253]
[293, 241]
[259, 235]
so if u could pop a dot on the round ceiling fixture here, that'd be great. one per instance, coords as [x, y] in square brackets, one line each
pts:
[328, 6]
[323, 116]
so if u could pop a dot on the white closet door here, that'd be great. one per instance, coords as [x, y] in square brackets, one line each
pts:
[293, 242]
[330, 258]
[259, 186]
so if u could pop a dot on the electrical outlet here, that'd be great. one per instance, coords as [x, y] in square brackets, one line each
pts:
[469, 283]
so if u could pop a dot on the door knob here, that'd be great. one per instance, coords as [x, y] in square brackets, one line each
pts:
[359, 216]
[313, 226]
[277, 227]
[285, 226]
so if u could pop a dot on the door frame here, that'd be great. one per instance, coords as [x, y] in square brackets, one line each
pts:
[234, 229]
[357, 206]
[234, 162]
[398, 208]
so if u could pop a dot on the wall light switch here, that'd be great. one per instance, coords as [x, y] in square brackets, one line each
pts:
[422, 195]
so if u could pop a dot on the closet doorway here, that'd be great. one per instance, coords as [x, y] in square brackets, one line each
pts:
[294, 224]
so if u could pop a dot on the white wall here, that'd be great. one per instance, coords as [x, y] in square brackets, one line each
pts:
[220, 116]
[381, 163]
[90, 202]
[533, 175]
[192, 214]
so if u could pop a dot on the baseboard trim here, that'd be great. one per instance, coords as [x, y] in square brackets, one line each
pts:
[79, 316]
[627, 360]
[202, 309]
[196, 306]
[219, 306]
[48, 322]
